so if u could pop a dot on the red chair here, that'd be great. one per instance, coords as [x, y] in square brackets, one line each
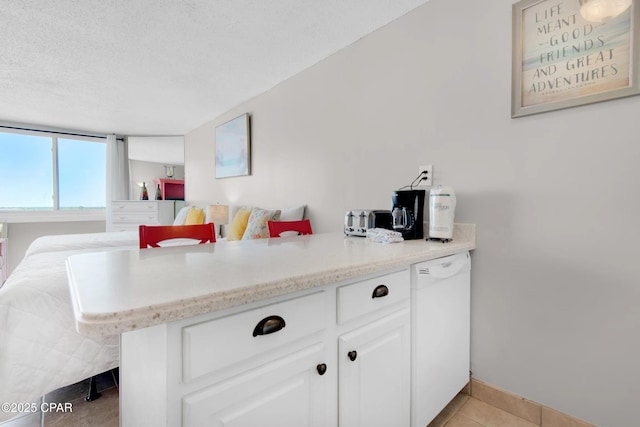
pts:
[151, 235]
[278, 227]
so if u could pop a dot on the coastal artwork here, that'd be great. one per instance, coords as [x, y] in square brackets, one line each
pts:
[233, 147]
[562, 59]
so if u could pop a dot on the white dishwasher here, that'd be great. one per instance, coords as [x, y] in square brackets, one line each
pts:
[440, 334]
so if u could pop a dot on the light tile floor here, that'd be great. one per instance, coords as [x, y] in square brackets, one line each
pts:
[463, 411]
[467, 411]
[102, 412]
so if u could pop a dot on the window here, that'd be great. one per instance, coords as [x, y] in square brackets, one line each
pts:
[41, 171]
[81, 174]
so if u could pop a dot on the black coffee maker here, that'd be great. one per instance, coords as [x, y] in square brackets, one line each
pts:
[407, 211]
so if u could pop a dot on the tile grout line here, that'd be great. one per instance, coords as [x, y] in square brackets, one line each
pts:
[540, 408]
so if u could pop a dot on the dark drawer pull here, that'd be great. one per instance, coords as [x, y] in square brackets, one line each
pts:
[380, 291]
[353, 355]
[269, 325]
[322, 368]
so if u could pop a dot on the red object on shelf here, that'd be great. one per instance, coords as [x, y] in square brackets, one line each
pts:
[172, 189]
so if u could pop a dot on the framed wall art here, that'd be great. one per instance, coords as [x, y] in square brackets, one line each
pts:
[573, 52]
[233, 147]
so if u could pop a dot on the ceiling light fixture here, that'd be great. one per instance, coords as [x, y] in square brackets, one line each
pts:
[602, 10]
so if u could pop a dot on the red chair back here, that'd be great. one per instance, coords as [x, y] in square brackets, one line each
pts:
[278, 227]
[151, 235]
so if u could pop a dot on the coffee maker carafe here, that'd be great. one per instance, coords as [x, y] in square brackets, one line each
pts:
[407, 210]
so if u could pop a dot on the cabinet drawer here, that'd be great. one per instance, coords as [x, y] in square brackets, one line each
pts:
[134, 206]
[211, 346]
[358, 299]
[124, 227]
[149, 218]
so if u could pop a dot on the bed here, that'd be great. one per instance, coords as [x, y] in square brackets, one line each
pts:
[40, 350]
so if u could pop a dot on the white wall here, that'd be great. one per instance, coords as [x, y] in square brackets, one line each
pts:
[166, 150]
[555, 281]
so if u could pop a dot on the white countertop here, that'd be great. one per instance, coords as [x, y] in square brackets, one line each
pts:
[118, 291]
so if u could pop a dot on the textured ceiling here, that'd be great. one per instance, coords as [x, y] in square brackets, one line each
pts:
[164, 67]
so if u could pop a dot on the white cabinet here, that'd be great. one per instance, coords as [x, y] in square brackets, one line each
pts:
[251, 337]
[127, 215]
[374, 351]
[285, 392]
[265, 366]
[285, 362]
[260, 366]
[374, 380]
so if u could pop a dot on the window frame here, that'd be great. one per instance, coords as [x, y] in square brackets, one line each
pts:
[55, 214]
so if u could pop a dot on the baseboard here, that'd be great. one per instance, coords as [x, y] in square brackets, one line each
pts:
[519, 406]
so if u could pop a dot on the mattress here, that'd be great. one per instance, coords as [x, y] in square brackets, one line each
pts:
[40, 349]
[67, 242]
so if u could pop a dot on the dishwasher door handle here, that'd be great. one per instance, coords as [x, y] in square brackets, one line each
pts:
[444, 267]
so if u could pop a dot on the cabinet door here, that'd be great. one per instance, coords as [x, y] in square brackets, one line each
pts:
[288, 392]
[374, 379]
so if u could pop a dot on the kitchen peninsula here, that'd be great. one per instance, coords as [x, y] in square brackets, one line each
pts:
[251, 331]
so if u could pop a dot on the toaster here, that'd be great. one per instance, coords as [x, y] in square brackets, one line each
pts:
[357, 222]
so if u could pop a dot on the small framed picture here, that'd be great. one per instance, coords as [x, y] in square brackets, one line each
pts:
[573, 52]
[233, 147]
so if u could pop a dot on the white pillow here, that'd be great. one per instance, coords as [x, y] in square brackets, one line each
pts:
[182, 215]
[292, 214]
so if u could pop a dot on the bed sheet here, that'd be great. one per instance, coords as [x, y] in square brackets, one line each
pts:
[66, 242]
[40, 349]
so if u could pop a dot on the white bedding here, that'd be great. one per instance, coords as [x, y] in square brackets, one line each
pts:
[40, 349]
[71, 242]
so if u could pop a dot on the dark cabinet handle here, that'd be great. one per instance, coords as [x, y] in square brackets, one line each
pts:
[352, 355]
[380, 291]
[269, 325]
[322, 368]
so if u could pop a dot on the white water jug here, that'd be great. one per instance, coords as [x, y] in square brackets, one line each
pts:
[442, 207]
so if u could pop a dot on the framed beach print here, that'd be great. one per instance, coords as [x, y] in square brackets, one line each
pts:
[233, 147]
[573, 52]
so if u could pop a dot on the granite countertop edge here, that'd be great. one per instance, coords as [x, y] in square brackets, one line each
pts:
[464, 239]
